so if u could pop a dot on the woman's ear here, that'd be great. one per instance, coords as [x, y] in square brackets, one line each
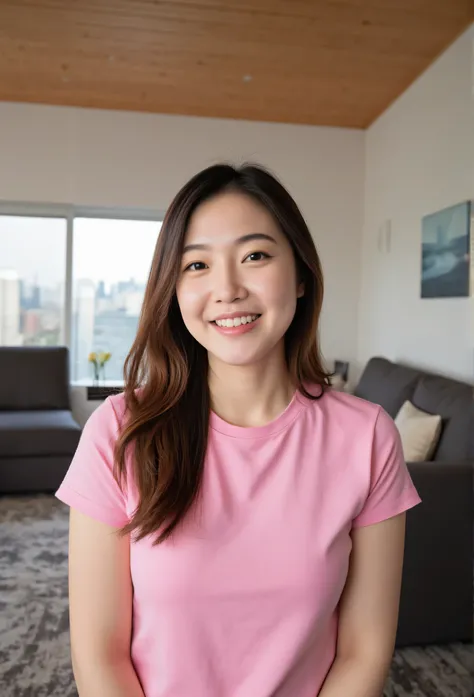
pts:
[300, 291]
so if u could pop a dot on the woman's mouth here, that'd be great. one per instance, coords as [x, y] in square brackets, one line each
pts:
[236, 321]
[236, 325]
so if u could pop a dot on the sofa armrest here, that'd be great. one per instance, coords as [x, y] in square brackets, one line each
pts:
[437, 590]
[443, 464]
[430, 478]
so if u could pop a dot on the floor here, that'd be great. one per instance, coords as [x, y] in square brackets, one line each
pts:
[34, 642]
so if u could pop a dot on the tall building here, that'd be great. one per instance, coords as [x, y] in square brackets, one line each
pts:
[30, 295]
[9, 308]
[101, 293]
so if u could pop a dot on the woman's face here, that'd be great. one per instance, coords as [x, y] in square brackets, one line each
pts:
[237, 289]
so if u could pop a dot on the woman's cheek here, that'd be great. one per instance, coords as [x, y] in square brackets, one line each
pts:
[279, 287]
[190, 302]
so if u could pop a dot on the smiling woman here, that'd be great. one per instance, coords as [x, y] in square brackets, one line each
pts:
[236, 525]
[238, 283]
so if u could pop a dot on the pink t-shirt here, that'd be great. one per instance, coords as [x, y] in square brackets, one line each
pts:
[243, 601]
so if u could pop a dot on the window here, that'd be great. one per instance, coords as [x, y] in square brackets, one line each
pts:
[32, 280]
[111, 263]
[70, 278]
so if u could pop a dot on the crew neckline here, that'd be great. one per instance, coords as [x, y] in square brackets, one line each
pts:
[288, 415]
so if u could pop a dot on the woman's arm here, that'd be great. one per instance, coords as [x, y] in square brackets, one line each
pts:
[100, 605]
[368, 612]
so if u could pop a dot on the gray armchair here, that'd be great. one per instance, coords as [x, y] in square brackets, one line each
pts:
[437, 590]
[38, 434]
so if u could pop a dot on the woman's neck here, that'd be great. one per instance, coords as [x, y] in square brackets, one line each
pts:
[251, 395]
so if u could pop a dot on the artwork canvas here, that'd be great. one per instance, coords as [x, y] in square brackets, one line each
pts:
[445, 253]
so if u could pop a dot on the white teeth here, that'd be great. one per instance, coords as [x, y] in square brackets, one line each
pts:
[237, 321]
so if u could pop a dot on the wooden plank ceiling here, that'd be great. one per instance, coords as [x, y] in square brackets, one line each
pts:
[324, 62]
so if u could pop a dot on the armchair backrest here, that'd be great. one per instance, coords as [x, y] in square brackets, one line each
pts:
[390, 384]
[34, 377]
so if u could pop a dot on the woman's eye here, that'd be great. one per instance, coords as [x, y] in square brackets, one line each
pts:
[257, 256]
[196, 266]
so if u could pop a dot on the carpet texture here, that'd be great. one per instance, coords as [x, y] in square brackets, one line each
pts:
[34, 640]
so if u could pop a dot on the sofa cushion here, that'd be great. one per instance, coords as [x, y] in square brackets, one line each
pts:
[419, 432]
[453, 400]
[388, 384]
[30, 433]
[34, 377]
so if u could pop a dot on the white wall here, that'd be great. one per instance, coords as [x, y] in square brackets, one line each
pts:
[419, 159]
[106, 158]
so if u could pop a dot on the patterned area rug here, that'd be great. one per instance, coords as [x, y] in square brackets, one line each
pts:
[34, 641]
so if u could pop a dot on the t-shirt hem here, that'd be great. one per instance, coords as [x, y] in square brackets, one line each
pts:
[91, 508]
[409, 499]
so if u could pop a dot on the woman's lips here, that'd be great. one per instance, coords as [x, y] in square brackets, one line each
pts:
[236, 331]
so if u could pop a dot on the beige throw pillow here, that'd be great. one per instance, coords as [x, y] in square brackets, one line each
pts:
[419, 432]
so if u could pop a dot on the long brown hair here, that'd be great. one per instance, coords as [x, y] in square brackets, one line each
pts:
[166, 387]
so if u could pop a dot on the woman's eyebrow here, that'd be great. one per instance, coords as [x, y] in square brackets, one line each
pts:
[240, 240]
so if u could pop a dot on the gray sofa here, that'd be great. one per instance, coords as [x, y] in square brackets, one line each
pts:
[38, 434]
[437, 590]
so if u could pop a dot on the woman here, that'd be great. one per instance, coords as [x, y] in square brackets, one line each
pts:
[237, 526]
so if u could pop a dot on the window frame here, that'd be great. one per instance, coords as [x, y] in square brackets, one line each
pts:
[69, 212]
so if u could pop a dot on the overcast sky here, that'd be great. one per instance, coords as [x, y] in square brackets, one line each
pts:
[108, 250]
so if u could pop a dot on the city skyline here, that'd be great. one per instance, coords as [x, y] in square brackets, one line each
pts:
[101, 320]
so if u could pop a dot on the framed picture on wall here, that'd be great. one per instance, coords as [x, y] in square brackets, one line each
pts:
[445, 264]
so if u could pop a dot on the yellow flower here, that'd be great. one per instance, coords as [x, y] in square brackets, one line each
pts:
[104, 357]
[92, 357]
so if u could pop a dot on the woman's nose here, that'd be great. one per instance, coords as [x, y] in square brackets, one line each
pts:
[228, 287]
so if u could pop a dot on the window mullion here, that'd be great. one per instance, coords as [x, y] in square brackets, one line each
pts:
[68, 310]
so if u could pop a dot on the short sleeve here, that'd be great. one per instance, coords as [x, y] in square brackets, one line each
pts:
[391, 490]
[89, 484]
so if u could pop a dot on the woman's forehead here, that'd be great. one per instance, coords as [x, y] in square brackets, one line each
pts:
[227, 217]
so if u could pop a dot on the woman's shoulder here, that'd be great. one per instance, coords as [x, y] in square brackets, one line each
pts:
[347, 420]
[339, 399]
[117, 404]
[336, 400]
[344, 408]
[108, 416]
